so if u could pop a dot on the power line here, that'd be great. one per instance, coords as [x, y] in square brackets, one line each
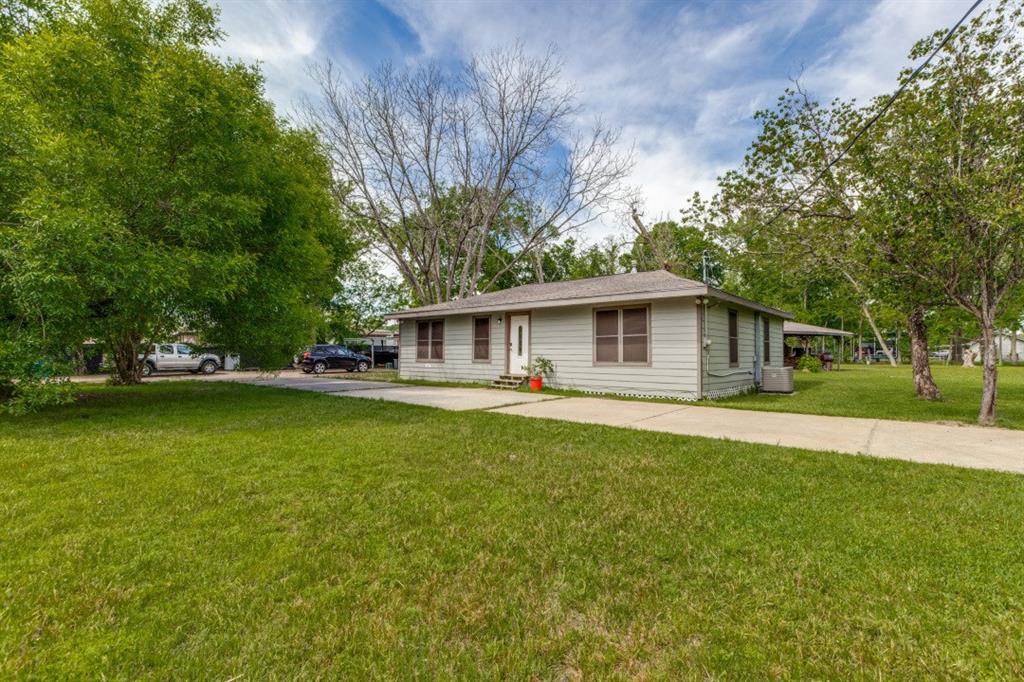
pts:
[877, 116]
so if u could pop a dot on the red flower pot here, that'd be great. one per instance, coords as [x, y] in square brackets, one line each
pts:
[536, 383]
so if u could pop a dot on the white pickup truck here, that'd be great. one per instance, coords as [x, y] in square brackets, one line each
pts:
[178, 357]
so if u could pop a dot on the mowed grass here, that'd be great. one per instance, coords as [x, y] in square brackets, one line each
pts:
[884, 392]
[208, 530]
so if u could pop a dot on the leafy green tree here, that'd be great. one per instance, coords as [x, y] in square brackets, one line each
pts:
[572, 260]
[17, 18]
[799, 201]
[947, 176]
[365, 294]
[148, 188]
[789, 205]
[680, 249]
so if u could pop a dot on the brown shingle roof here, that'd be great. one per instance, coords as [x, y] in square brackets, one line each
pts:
[624, 287]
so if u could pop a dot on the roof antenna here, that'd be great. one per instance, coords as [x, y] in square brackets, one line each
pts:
[705, 266]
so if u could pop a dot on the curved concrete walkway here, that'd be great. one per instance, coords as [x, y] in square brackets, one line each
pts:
[967, 446]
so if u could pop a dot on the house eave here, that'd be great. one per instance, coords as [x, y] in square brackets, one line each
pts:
[712, 292]
[554, 303]
[747, 303]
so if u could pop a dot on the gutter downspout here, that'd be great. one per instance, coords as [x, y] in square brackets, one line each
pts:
[701, 335]
[758, 349]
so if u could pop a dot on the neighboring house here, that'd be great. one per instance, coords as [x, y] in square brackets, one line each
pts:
[378, 337]
[1009, 346]
[644, 333]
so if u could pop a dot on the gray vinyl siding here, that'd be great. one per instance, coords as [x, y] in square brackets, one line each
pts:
[566, 337]
[776, 342]
[721, 379]
[458, 364]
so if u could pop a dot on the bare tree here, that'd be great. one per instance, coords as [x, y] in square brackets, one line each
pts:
[458, 178]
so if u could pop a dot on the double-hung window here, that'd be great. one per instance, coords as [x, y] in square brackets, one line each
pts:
[430, 340]
[481, 339]
[622, 335]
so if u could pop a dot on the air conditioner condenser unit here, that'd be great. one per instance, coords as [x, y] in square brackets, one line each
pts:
[777, 380]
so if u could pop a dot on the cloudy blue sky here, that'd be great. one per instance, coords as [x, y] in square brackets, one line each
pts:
[681, 79]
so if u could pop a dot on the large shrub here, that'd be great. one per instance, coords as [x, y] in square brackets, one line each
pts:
[28, 379]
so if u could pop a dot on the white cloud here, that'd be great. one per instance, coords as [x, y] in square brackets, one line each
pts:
[285, 39]
[866, 59]
[682, 82]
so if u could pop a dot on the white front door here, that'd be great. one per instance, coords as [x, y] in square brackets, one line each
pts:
[519, 344]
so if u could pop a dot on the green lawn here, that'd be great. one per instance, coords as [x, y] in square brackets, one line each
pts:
[208, 530]
[886, 392]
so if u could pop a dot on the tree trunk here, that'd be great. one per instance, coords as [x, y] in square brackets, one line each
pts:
[127, 363]
[956, 351]
[987, 413]
[924, 384]
[878, 334]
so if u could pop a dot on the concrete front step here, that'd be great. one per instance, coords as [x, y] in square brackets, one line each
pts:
[511, 381]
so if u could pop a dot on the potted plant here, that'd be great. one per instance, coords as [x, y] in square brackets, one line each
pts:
[540, 368]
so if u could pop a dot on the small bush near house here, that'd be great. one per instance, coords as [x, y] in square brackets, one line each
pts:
[808, 363]
[542, 367]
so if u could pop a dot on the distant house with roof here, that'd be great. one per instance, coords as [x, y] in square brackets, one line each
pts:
[644, 333]
[384, 336]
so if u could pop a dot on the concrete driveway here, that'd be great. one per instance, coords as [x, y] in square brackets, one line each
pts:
[453, 398]
[430, 396]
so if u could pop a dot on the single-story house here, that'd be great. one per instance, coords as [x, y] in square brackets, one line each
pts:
[642, 333]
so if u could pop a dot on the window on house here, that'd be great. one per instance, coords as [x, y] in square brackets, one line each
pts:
[430, 340]
[481, 338]
[767, 341]
[634, 334]
[622, 335]
[734, 339]
[437, 340]
[606, 336]
[422, 340]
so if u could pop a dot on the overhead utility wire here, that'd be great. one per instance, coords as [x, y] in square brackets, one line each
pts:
[874, 118]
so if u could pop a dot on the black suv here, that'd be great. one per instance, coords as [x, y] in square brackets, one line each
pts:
[319, 359]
